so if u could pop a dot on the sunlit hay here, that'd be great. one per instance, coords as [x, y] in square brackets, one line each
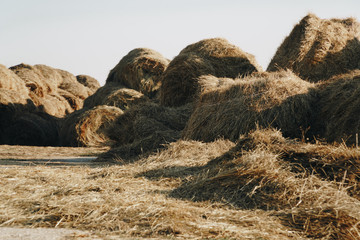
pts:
[10, 81]
[317, 49]
[87, 127]
[89, 82]
[339, 108]
[140, 69]
[145, 128]
[215, 56]
[115, 95]
[280, 99]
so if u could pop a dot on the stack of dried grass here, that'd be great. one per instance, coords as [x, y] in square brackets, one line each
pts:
[146, 128]
[266, 171]
[87, 127]
[280, 99]
[215, 57]
[339, 108]
[317, 49]
[140, 69]
[54, 91]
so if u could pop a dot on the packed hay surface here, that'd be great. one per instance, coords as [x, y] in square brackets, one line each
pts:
[140, 69]
[54, 91]
[280, 99]
[87, 127]
[339, 108]
[146, 128]
[115, 95]
[317, 49]
[216, 57]
[88, 82]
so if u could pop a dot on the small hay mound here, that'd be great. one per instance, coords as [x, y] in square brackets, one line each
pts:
[87, 127]
[317, 49]
[115, 95]
[280, 99]
[145, 128]
[88, 82]
[207, 57]
[140, 69]
[339, 108]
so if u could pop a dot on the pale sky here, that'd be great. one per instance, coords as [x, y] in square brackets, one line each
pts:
[91, 36]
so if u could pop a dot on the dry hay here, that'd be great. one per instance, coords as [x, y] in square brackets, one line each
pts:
[88, 82]
[140, 69]
[257, 174]
[280, 99]
[10, 81]
[339, 108]
[146, 128]
[207, 57]
[115, 95]
[25, 125]
[317, 49]
[87, 127]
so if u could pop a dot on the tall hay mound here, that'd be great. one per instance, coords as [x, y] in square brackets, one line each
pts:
[87, 127]
[54, 91]
[140, 69]
[280, 99]
[339, 104]
[215, 57]
[115, 95]
[145, 128]
[317, 49]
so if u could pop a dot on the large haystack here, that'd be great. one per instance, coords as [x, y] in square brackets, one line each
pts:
[317, 49]
[207, 57]
[87, 127]
[280, 99]
[140, 69]
[115, 95]
[145, 128]
[54, 91]
[339, 108]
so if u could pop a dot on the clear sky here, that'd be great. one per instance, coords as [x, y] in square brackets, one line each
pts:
[91, 36]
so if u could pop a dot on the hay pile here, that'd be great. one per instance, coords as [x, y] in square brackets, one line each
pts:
[140, 69]
[54, 91]
[317, 49]
[281, 100]
[88, 82]
[259, 174]
[339, 107]
[146, 128]
[87, 127]
[215, 57]
[12, 88]
[115, 95]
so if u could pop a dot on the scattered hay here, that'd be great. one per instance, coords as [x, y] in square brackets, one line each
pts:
[88, 82]
[140, 69]
[87, 127]
[280, 99]
[145, 128]
[207, 57]
[339, 108]
[115, 95]
[317, 49]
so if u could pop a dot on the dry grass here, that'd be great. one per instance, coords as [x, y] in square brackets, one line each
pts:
[317, 49]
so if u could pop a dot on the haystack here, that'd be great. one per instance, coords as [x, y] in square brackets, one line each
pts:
[281, 100]
[140, 69]
[24, 125]
[317, 49]
[339, 108]
[115, 95]
[88, 82]
[87, 127]
[55, 91]
[145, 128]
[215, 57]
